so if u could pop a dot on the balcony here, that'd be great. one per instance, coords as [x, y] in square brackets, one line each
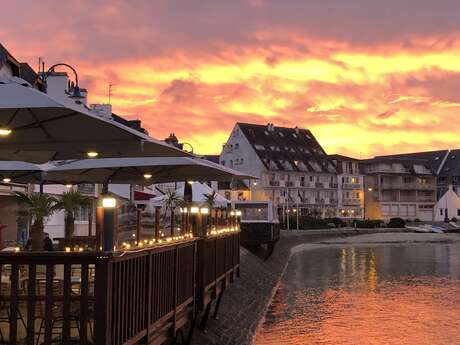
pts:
[333, 185]
[10, 188]
[407, 186]
[351, 186]
[333, 201]
[86, 188]
[289, 184]
[319, 185]
[351, 202]
[274, 183]
[319, 201]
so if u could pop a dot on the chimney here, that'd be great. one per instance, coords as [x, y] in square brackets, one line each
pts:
[103, 110]
[271, 127]
[296, 129]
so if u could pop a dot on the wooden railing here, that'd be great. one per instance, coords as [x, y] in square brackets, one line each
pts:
[219, 264]
[97, 298]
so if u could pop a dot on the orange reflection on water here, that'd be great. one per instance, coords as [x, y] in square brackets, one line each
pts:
[357, 307]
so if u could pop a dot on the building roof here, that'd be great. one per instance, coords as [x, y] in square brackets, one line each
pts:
[134, 124]
[451, 165]
[212, 158]
[434, 158]
[6, 57]
[28, 74]
[339, 157]
[287, 149]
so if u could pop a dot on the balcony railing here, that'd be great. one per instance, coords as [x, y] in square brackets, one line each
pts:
[274, 183]
[351, 186]
[319, 201]
[319, 185]
[411, 186]
[351, 201]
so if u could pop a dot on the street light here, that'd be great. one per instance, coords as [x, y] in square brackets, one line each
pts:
[76, 93]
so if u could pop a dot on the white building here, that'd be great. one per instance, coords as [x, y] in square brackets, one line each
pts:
[350, 187]
[293, 169]
[448, 206]
[396, 187]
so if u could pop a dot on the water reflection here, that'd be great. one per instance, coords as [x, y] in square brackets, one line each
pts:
[368, 295]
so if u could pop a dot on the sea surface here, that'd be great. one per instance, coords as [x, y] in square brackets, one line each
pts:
[398, 294]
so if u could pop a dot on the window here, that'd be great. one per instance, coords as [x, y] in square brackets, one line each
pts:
[237, 146]
[82, 213]
[222, 162]
[440, 211]
[458, 211]
[241, 160]
[354, 180]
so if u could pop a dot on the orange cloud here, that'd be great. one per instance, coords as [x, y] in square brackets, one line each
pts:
[360, 85]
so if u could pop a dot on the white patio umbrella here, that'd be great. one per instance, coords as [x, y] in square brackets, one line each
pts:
[37, 128]
[134, 170]
[199, 192]
[20, 172]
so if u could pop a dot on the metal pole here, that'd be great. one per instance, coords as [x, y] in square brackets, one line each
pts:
[108, 225]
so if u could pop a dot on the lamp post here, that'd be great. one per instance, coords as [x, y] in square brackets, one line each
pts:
[76, 89]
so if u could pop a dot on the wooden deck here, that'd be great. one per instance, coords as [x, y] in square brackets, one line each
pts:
[143, 296]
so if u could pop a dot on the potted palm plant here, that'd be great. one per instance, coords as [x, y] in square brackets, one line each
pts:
[70, 202]
[172, 200]
[38, 207]
[210, 199]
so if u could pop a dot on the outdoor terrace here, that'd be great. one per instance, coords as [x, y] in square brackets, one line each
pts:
[145, 292]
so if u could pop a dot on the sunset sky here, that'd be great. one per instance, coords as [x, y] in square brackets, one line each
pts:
[367, 77]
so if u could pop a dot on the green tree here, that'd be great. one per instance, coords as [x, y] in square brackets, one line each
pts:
[38, 207]
[210, 199]
[70, 202]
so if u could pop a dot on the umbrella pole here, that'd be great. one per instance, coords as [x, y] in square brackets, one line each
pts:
[157, 223]
[173, 221]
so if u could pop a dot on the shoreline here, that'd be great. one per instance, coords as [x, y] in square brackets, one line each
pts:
[244, 305]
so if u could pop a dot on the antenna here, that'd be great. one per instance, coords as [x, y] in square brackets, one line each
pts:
[40, 63]
[110, 91]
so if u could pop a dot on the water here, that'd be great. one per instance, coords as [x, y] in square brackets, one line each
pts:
[378, 294]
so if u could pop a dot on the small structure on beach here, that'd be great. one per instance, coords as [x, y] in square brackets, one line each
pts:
[448, 206]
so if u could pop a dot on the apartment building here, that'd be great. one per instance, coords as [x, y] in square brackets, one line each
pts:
[449, 173]
[350, 193]
[396, 187]
[436, 160]
[293, 169]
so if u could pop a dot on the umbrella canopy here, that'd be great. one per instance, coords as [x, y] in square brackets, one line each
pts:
[199, 192]
[20, 172]
[37, 128]
[134, 170]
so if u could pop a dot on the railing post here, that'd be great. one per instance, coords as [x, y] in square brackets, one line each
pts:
[138, 225]
[99, 222]
[108, 226]
[103, 296]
